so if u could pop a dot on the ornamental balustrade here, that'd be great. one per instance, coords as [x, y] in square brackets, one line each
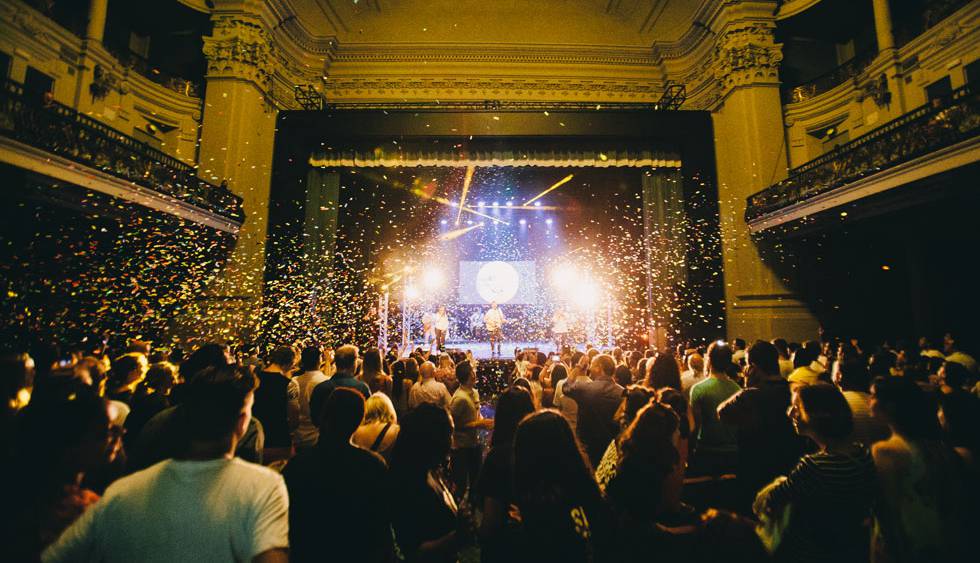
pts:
[940, 123]
[35, 119]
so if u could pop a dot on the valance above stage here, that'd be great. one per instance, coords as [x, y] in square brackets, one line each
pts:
[397, 156]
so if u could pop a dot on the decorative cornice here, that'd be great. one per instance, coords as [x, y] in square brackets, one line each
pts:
[239, 47]
[482, 88]
[747, 54]
[493, 53]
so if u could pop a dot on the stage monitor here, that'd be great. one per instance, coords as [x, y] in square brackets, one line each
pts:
[503, 282]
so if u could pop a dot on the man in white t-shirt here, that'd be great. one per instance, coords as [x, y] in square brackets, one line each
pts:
[205, 505]
[494, 321]
[428, 389]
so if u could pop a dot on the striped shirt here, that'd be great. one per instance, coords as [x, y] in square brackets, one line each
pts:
[830, 497]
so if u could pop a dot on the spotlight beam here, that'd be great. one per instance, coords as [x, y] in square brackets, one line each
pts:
[451, 235]
[466, 188]
[445, 201]
[564, 180]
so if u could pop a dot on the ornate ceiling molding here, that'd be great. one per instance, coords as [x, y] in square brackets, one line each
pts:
[493, 53]
[488, 88]
[240, 47]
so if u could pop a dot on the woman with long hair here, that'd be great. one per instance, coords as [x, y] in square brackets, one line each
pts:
[663, 372]
[427, 523]
[564, 516]
[496, 484]
[634, 398]
[379, 428]
[405, 374]
[373, 372]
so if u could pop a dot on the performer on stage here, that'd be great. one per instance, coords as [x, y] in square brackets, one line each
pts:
[559, 329]
[476, 321]
[494, 321]
[441, 325]
[428, 329]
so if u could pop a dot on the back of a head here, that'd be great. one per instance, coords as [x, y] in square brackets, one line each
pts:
[956, 375]
[908, 408]
[781, 346]
[635, 398]
[827, 411]
[311, 358]
[427, 370]
[604, 364]
[623, 375]
[424, 440]
[675, 399]
[512, 406]
[558, 373]
[804, 356]
[341, 414]
[464, 373]
[283, 356]
[719, 357]
[545, 439]
[764, 356]
[647, 455]
[739, 343]
[123, 367]
[56, 421]
[663, 372]
[372, 362]
[540, 358]
[345, 358]
[411, 369]
[379, 408]
[854, 375]
[695, 362]
[214, 402]
[207, 356]
[161, 376]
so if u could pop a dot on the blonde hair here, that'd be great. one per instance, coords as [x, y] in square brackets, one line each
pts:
[379, 408]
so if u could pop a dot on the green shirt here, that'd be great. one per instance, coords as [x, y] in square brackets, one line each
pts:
[706, 395]
[465, 409]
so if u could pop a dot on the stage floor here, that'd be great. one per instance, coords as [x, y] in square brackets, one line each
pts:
[481, 350]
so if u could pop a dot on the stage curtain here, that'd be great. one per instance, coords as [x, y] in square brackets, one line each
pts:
[320, 225]
[664, 221]
[397, 156]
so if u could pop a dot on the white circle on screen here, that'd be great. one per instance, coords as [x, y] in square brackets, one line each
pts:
[497, 281]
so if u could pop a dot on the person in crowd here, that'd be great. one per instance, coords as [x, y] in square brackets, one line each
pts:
[954, 376]
[62, 435]
[663, 372]
[921, 515]
[648, 473]
[959, 416]
[446, 372]
[404, 375]
[803, 372]
[563, 514]
[767, 444]
[379, 429]
[204, 505]
[533, 376]
[954, 353]
[738, 352]
[165, 435]
[829, 494]
[345, 361]
[635, 398]
[152, 396]
[428, 389]
[427, 523]
[373, 373]
[854, 380]
[716, 446]
[557, 373]
[693, 374]
[496, 485]
[125, 376]
[882, 364]
[597, 402]
[565, 404]
[623, 376]
[335, 489]
[310, 361]
[785, 359]
[467, 453]
[277, 403]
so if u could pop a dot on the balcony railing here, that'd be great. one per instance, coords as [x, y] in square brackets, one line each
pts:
[38, 121]
[942, 123]
[828, 80]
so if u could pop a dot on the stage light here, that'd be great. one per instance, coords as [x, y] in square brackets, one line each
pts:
[443, 222]
[411, 292]
[555, 186]
[432, 279]
[495, 204]
[537, 204]
[563, 277]
[587, 295]
[481, 204]
[523, 222]
[469, 222]
[510, 204]
[547, 221]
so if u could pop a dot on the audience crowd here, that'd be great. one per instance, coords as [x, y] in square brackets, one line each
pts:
[821, 451]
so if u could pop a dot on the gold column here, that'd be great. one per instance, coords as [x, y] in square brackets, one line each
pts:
[883, 25]
[97, 9]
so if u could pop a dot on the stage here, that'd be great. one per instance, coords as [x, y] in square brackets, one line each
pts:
[481, 350]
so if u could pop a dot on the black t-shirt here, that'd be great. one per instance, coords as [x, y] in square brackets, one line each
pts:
[270, 407]
[420, 512]
[497, 482]
[338, 505]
